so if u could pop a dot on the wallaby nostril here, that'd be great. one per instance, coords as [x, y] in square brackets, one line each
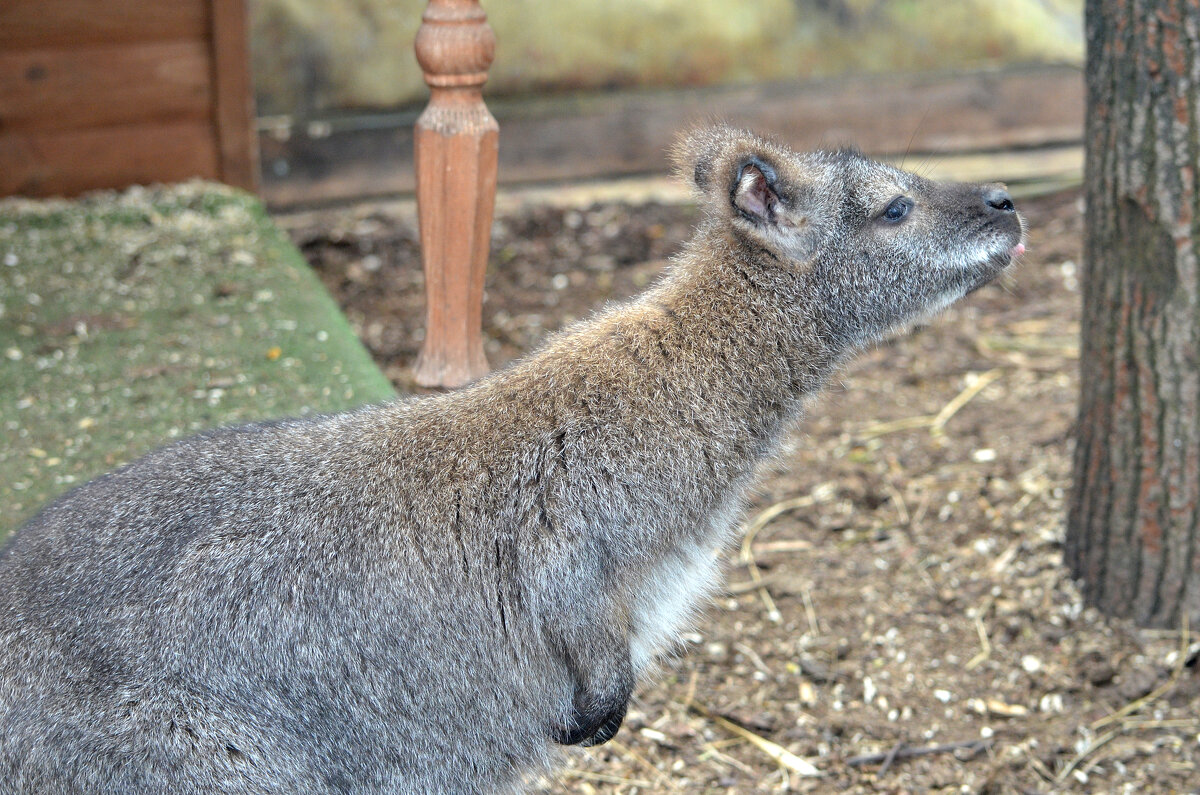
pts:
[998, 199]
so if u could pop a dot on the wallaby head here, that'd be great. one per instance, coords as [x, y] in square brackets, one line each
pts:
[868, 246]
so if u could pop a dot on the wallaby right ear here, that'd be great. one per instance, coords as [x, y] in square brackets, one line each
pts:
[754, 194]
[751, 181]
[727, 164]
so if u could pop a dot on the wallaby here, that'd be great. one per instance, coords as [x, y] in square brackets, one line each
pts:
[427, 596]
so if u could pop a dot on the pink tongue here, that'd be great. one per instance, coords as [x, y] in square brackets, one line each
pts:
[1018, 249]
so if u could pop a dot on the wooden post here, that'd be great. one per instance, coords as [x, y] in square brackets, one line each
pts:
[456, 142]
[233, 94]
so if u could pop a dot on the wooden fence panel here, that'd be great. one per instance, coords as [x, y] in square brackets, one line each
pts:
[42, 163]
[108, 93]
[102, 85]
[237, 143]
[68, 23]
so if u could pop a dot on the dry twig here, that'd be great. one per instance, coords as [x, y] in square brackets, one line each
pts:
[897, 502]
[1134, 724]
[963, 398]
[906, 424]
[689, 696]
[1159, 691]
[773, 614]
[747, 553]
[712, 752]
[606, 778]
[1102, 740]
[753, 656]
[781, 755]
[891, 757]
[810, 611]
[986, 651]
[662, 779]
[901, 751]
[787, 545]
[1038, 766]
[739, 588]
[766, 516]
[935, 422]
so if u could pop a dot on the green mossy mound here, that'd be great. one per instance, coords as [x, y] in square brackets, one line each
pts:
[128, 320]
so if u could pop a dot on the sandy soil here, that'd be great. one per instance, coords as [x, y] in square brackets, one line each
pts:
[899, 618]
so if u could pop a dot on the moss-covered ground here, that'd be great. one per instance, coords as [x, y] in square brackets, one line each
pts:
[128, 320]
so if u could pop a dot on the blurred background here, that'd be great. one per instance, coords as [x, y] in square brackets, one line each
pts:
[337, 86]
[318, 57]
[327, 91]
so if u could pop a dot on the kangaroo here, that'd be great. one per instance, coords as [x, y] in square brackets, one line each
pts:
[431, 595]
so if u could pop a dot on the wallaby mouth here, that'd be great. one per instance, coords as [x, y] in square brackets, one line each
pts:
[998, 263]
[1005, 260]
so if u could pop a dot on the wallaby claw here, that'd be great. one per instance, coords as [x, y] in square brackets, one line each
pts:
[607, 730]
[588, 729]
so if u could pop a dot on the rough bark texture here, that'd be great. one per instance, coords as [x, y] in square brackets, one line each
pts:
[1133, 533]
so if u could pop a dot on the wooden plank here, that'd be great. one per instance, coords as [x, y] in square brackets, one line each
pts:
[66, 163]
[1054, 163]
[103, 85]
[937, 113]
[233, 113]
[1029, 172]
[30, 24]
[629, 133]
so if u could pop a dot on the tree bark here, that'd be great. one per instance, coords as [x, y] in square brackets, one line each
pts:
[1133, 529]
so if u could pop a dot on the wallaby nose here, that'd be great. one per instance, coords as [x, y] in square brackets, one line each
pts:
[997, 198]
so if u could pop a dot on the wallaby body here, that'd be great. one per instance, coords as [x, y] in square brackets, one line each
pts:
[427, 596]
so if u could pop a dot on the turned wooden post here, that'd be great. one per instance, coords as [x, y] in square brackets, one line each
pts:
[456, 142]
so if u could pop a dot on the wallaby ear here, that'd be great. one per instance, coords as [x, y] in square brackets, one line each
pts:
[696, 152]
[754, 195]
[754, 184]
[725, 163]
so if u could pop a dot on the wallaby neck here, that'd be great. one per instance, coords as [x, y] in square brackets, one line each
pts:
[758, 337]
[683, 391]
[716, 357]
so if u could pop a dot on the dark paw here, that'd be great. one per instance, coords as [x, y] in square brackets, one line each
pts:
[592, 727]
[607, 730]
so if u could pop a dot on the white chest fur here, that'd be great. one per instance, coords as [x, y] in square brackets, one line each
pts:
[676, 589]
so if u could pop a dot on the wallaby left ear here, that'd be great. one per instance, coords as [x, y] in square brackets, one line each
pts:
[754, 194]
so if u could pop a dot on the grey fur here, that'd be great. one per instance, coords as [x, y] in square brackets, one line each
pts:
[424, 596]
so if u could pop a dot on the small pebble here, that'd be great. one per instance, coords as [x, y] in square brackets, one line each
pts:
[869, 690]
[1051, 702]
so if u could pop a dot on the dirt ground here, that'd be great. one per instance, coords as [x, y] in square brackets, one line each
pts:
[900, 619]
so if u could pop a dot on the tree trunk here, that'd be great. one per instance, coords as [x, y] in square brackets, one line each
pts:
[1133, 532]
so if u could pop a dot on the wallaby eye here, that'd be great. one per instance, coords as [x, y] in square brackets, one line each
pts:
[898, 208]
